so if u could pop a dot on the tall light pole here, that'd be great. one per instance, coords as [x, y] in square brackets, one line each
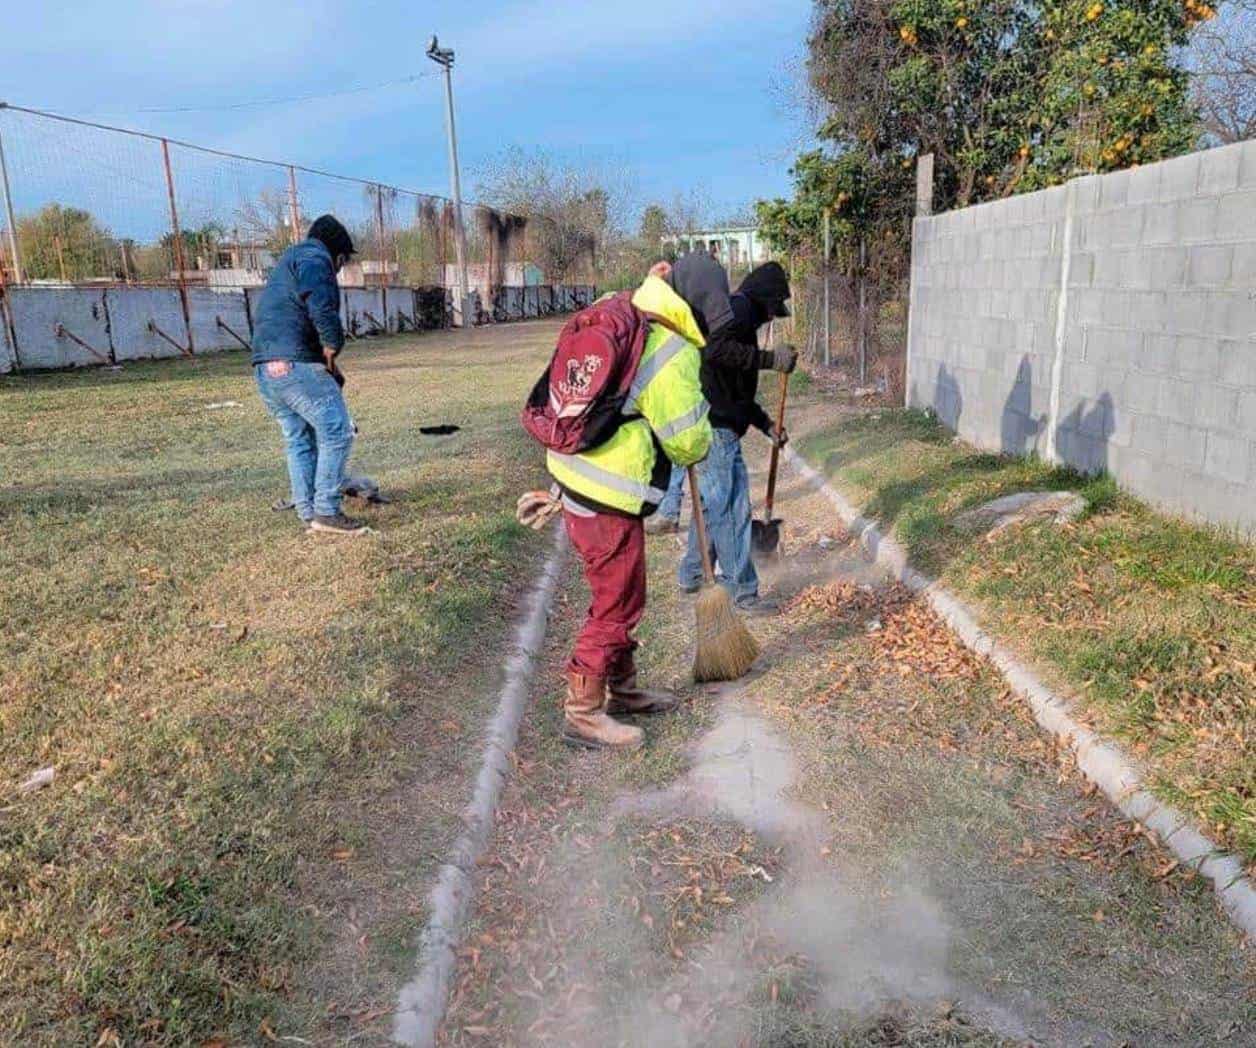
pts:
[444, 57]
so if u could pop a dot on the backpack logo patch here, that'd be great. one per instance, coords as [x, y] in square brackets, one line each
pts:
[579, 378]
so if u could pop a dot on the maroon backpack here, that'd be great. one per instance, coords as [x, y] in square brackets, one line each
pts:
[578, 401]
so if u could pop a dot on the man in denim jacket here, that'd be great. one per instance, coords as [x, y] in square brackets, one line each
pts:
[297, 335]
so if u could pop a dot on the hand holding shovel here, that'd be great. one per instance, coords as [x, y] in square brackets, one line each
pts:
[765, 534]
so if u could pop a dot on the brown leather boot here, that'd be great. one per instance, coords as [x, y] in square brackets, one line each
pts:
[627, 698]
[585, 721]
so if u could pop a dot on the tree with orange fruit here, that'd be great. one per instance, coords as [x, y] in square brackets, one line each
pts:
[1008, 95]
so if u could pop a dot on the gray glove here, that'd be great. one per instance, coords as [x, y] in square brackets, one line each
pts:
[784, 358]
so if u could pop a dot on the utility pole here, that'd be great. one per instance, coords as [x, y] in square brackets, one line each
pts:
[8, 209]
[444, 57]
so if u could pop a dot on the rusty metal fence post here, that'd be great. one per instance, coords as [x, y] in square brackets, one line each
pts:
[178, 247]
[294, 207]
[8, 210]
[379, 236]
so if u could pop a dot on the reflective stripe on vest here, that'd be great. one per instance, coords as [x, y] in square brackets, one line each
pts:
[651, 367]
[624, 485]
[689, 418]
[574, 507]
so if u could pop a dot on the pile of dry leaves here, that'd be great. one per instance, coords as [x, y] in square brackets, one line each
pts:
[906, 636]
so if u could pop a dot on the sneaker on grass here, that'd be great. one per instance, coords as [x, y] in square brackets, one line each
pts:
[338, 525]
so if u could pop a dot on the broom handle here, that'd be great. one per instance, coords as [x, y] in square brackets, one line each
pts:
[699, 522]
[776, 450]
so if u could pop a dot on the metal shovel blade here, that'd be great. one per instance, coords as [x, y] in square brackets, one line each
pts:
[765, 535]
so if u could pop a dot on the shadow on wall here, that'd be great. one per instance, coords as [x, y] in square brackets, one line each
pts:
[948, 401]
[1018, 428]
[1081, 439]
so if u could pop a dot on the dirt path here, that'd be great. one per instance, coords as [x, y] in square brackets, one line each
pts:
[865, 842]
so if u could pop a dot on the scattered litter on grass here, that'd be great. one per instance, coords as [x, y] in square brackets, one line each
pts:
[443, 430]
[1063, 507]
[43, 777]
[220, 404]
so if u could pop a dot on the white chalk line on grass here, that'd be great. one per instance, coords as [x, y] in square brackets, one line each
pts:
[422, 1001]
[1101, 761]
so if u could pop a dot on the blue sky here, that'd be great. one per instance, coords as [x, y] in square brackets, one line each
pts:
[676, 95]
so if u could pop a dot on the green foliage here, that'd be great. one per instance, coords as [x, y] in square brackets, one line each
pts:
[1008, 95]
[66, 243]
[868, 197]
[1114, 92]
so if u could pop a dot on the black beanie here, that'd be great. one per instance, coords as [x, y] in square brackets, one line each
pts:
[334, 236]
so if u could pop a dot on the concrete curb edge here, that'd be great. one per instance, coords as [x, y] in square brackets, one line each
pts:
[422, 1001]
[1102, 762]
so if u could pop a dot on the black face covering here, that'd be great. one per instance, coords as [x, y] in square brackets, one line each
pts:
[767, 287]
[703, 284]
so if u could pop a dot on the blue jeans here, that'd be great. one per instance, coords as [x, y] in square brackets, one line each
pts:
[670, 506]
[317, 431]
[725, 486]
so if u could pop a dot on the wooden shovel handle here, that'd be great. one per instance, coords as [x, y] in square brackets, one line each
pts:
[699, 522]
[776, 449]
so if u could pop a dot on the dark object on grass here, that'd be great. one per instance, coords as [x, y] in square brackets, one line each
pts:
[363, 488]
[765, 534]
[443, 430]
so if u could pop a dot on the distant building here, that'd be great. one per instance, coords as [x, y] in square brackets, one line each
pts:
[242, 254]
[514, 274]
[733, 246]
[368, 272]
[233, 263]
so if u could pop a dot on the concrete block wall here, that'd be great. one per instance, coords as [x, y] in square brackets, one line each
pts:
[1108, 324]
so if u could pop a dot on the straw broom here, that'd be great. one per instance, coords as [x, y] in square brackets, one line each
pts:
[725, 650]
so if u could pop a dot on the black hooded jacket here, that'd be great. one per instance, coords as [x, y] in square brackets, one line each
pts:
[732, 360]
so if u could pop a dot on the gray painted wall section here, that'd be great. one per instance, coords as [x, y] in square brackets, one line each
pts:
[1106, 324]
[357, 304]
[114, 321]
[7, 360]
[38, 311]
[207, 306]
[401, 314]
[131, 310]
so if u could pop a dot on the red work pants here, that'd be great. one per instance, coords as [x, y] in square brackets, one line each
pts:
[613, 551]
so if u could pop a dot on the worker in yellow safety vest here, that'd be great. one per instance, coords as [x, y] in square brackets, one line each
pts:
[606, 492]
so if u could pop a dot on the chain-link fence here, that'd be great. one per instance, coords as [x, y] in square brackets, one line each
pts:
[864, 339]
[88, 206]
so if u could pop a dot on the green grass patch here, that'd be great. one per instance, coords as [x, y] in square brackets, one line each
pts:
[1148, 619]
[217, 691]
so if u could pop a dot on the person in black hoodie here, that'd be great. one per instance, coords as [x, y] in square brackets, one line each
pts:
[731, 362]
